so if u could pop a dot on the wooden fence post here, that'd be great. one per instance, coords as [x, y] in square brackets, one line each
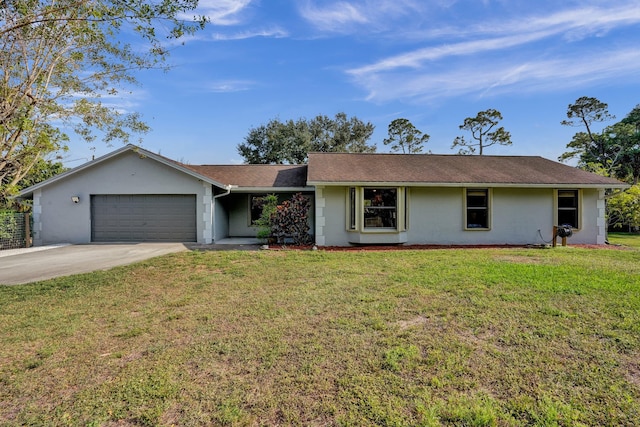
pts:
[27, 230]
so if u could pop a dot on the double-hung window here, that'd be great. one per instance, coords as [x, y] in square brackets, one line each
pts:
[568, 212]
[477, 209]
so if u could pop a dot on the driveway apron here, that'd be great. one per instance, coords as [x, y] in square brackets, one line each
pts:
[25, 266]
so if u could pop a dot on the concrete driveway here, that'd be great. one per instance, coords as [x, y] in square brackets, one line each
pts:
[34, 264]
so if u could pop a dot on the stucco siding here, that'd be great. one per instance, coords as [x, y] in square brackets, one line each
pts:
[335, 216]
[220, 219]
[588, 232]
[519, 216]
[237, 206]
[61, 220]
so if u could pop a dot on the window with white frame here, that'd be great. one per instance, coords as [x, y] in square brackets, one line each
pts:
[477, 209]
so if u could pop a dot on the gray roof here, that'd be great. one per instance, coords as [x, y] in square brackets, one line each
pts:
[443, 170]
[255, 176]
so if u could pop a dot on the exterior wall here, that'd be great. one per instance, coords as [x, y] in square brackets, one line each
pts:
[238, 216]
[519, 216]
[59, 220]
[220, 219]
[591, 222]
[237, 207]
[334, 217]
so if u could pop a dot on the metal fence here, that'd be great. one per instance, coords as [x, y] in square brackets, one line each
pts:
[15, 230]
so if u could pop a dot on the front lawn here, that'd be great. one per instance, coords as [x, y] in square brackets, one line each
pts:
[505, 337]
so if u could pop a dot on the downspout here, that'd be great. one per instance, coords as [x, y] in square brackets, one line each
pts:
[228, 189]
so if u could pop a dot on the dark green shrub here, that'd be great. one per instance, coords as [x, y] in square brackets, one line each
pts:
[270, 203]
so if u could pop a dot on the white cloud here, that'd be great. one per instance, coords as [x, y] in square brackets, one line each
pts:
[351, 16]
[489, 59]
[223, 12]
[477, 79]
[571, 24]
[333, 17]
[243, 35]
[227, 86]
[416, 58]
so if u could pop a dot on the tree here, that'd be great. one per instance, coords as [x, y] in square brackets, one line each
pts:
[623, 208]
[403, 135]
[482, 131]
[42, 170]
[58, 59]
[289, 142]
[631, 154]
[589, 146]
[614, 150]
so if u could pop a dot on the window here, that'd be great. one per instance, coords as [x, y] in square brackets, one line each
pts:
[380, 207]
[352, 208]
[256, 202]
[477, 209]
[568, 208]
[376, 208]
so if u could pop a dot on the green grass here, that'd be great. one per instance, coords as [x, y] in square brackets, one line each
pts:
[625, 239]
[477, 337]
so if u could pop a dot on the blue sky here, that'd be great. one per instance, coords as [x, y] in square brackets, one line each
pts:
[432, 62]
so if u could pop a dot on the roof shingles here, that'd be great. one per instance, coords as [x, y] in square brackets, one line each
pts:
[447, 170]
[292, 176]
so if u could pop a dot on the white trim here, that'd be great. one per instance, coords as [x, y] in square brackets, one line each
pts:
[601, 222]
[37, 221]
[320, 203]
[207, 213]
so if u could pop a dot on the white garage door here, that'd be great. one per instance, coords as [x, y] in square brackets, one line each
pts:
[143, 218]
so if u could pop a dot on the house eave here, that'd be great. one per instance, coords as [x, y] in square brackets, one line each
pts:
[463, 184]
[272, 189]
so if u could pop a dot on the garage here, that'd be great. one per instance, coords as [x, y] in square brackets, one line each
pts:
[143, 218]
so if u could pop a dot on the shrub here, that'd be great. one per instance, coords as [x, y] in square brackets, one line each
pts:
[291, 220]
[269, 206]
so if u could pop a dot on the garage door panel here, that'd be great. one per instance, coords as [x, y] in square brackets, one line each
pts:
[143, 218]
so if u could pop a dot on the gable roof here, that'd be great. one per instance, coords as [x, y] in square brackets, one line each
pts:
[255, 176]
[449, 170]
[133, 148]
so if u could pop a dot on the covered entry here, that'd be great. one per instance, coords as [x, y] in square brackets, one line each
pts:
[143, 218]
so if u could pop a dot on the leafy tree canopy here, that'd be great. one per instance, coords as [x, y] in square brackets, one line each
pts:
[289, 142]
[405, 137]
[484, 133]
[615, 150]
[42, 170]
[59, 59]
[623, 208]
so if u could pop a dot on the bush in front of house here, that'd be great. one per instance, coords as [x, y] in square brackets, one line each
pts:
[291, 221]
[269, 206]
